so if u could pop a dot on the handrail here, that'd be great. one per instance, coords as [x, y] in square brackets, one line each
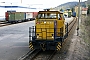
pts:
[32, 32]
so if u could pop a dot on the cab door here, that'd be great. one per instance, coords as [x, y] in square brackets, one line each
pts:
[60, 25]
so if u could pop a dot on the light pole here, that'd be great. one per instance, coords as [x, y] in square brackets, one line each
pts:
[86, 7]
[11, 6]
[78, 18]
[81, 12]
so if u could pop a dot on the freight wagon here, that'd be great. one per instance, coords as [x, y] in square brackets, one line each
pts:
[15, 17]
[31, 15]
[20, 16]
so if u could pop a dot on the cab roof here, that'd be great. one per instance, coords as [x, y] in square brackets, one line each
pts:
[49, 12]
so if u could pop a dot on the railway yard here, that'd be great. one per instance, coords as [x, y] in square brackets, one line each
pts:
[14, 45]
[50, 34]
[41, 30]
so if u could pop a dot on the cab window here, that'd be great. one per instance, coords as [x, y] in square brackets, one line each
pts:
[47, 15]
[59, 17]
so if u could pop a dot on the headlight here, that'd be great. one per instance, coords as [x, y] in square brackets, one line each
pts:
[52, 37]
[44, 22]
[37, 36]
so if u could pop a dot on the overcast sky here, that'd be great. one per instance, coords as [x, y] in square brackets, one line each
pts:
[45, 3]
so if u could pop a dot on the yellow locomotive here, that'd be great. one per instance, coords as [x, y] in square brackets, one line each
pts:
[49, 31]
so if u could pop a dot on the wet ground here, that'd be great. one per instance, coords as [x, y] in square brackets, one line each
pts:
[14, 40]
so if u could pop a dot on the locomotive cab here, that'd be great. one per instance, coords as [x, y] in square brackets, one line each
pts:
[49, 31]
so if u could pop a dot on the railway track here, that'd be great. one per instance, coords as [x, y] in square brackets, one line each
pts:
[72, 24]
[66, 46]
[46, 55]
[38, 55]
[30, 55]
[51, 56]
[6, 24]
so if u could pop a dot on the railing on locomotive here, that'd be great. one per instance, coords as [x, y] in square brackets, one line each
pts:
[32, 32]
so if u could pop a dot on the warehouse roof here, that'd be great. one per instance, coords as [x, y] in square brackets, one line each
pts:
[15, 7]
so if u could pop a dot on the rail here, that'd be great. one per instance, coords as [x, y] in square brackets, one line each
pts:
[44, 55]
[71, 21]
[30, 55]
[4, 23]
[51, 56]
[73, 24]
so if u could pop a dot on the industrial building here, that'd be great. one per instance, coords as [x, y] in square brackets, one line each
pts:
[4, 7]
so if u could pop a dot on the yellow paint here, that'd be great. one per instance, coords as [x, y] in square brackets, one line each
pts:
[30, 45]
[58, 46]
[45, 28]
